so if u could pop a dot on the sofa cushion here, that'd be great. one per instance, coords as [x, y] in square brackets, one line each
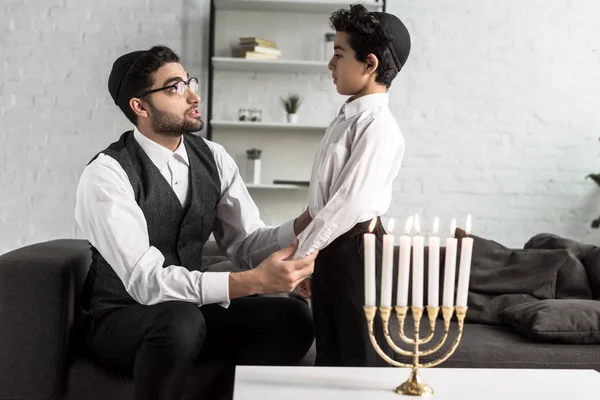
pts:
[591, 262]
[572, 281]
[562, 321]
[549, 241]
[503, 277]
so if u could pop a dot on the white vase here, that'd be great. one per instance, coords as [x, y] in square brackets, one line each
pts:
[253, 172]
[292, 118]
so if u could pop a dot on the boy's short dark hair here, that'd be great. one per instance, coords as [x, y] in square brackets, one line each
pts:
[139, 76]
[367, 35]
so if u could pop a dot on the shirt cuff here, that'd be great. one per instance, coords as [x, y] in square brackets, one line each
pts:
[286, 234]
[215, 288]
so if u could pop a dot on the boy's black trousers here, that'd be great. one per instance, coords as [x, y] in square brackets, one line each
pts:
[338, 298]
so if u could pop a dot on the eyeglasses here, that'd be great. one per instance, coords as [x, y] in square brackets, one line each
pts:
[180, 87]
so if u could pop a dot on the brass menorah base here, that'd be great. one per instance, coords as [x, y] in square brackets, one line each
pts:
[414, 386]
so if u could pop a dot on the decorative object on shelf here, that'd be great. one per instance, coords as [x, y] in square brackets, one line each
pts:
[243, 114]
[291, 104]
[256, 115]
[257, 41]
[253, 166]
[257, 48]
[328, 46]
[414, 386]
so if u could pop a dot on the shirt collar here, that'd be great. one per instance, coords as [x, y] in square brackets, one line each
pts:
[364, 103]
[160, 155]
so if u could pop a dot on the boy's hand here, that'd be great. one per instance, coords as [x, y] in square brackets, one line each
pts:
[305, 288]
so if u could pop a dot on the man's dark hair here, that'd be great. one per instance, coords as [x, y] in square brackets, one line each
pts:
[140, 76]
[367, 35]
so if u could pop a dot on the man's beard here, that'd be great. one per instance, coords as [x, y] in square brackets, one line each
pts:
[168, 124]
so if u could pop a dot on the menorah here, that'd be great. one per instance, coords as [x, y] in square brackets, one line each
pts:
[414, 385]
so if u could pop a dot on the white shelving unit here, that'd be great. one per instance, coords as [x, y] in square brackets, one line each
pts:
[281, 66]
[273, 186]
[287, 148]
[304, 6]
[267, 126]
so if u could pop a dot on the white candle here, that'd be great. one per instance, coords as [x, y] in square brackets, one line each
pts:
[450, 267]
[369, 250]
[417, 277]
[433, 297]
[404, 265]
[387, 266]
[466, 250]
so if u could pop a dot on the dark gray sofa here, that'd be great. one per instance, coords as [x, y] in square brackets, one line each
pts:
[39, 337]
[40, 355]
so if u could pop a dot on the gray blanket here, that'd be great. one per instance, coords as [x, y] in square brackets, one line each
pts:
[548, 267]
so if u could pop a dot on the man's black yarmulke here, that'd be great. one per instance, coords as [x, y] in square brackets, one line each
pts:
[118, 72]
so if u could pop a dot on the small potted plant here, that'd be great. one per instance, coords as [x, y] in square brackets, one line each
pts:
[291, 103]
[253, 171]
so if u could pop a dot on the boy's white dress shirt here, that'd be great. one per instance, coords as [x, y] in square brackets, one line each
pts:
[351, 182]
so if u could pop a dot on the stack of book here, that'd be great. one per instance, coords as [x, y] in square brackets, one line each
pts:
[257, 48]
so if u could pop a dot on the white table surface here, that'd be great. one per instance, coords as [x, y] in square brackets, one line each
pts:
[316, 383]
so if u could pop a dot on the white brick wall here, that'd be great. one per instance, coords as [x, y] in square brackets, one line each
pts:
[498, 105]
[55, 110]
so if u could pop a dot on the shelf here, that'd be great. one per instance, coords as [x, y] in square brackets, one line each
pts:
[304, 6]
[267, 126]
[272, 186]
[242, 64]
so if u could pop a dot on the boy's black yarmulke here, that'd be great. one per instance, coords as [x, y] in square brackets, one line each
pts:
[400, 45]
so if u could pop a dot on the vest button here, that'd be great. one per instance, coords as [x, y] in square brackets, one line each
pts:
[185, 225]
[180, 246]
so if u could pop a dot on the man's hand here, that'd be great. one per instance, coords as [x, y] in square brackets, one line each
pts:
[305, 288]
[276, 274]
[302, 222]
[279, 274]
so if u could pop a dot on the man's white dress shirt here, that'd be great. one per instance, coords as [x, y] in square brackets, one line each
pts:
[358, 159]
[110, 218]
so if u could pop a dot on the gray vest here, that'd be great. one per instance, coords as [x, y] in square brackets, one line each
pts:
[179, 233]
